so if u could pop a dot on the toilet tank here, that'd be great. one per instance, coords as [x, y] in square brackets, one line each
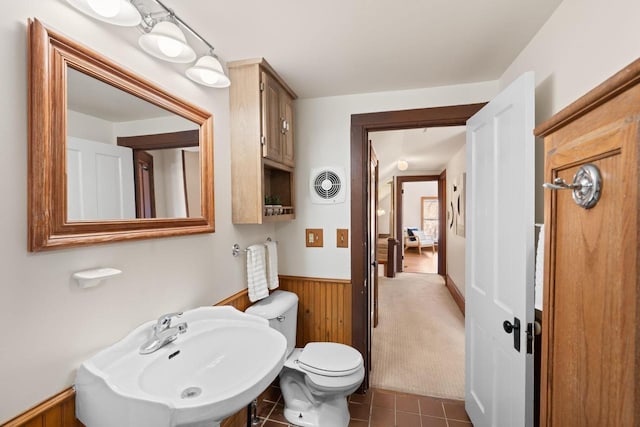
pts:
[281, 310]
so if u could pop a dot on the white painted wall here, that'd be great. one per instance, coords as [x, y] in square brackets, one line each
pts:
[49, 325]
[411, 201]
[173, 123]
[323, 128]
[581, 45]
[90, 127]
[455, 244]
[384, 219]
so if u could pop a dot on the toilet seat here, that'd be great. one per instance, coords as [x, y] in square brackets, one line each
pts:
[329, 384]
[330, 359]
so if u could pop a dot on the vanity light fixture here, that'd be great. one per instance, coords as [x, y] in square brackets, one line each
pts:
[167, 42]
[116, 12]
[208, 71]
[403, 165]
[163, 38]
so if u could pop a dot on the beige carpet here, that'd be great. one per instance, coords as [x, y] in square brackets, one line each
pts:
[418, 346]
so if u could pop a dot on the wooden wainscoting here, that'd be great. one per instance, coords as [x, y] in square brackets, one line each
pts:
[57, 411]
[239, 300]
[324, 310]
[324, 314]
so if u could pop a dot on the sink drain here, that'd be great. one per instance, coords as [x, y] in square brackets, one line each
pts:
[191, 392]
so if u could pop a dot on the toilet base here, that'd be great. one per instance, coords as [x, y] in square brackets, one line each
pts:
[334, 413]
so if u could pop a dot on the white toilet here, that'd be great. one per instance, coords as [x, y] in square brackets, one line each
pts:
[316, 379]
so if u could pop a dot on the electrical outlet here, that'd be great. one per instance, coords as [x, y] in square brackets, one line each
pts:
[313, 238]
[342, 238]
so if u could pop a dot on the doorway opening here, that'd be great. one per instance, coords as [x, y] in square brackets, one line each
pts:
[418, 339]
[361, 212]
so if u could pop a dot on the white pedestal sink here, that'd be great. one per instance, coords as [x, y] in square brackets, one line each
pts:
[224, 361]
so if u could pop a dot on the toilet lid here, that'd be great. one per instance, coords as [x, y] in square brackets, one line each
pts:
[330, 359]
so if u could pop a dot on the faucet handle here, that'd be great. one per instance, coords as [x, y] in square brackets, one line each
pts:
[164, 321]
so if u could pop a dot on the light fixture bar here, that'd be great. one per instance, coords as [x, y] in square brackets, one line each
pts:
[184, 24]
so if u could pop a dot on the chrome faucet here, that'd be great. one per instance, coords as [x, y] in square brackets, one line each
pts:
[162, 333]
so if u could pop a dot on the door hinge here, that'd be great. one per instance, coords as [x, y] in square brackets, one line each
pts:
[263, 140]
[530, 338]
[261, 86]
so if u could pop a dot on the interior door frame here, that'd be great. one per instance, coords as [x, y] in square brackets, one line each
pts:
[442, 243]
[361, 125]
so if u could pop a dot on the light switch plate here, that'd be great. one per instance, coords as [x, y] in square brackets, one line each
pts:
[342, 238]
[313, 238]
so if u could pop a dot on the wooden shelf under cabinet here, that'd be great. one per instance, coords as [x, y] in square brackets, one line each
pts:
[262, 142]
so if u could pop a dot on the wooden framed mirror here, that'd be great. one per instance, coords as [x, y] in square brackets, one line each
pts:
[87, 117]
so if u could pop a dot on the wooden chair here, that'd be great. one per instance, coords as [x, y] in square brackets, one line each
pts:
[419, 240]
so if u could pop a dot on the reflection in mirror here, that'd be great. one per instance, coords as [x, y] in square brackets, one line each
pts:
[90, 123]
[126, 157]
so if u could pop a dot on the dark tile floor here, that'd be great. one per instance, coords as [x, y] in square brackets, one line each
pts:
[379, 408]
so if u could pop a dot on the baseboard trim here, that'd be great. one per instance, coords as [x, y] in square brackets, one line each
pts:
[316, 279]
[455, 293]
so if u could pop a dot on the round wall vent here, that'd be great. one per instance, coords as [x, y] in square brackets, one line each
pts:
[327, 185]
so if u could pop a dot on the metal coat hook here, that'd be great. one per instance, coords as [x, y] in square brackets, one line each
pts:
[586, 186]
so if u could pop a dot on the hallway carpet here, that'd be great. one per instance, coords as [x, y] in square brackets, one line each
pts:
[418, 346]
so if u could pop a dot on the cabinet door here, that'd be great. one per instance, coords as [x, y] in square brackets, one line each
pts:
[271, 119]
[286, 109]
[589, 360]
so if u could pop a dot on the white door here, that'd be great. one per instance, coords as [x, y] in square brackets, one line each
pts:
[500, 259]
[99, 181]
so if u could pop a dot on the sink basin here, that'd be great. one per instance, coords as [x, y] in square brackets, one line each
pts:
[224, 361]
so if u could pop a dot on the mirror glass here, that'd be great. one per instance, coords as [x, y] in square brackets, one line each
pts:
[127, 158]
[112, 156]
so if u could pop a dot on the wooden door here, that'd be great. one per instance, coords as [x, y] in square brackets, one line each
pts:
[271, 119]
[373, 238]
[590, 356]
[499, 259]
[286, 109]
[145, 188]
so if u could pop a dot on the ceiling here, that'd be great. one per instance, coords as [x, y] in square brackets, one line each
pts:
[337, 47]
[96, 98]
[425, 149]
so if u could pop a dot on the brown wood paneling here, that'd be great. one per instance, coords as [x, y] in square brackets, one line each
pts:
[590, 340]
[324, 309]
[239, 300]
[161, 141]
[57, 411]
[442, 231]
[455, 293]
[60, 411]
[239, 419]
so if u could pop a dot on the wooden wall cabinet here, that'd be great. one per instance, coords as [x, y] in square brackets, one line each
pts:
[262, 143]
[591, 331]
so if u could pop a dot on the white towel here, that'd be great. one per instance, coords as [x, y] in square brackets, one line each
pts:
[257, 273]
[539, 274]
[272, 264]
